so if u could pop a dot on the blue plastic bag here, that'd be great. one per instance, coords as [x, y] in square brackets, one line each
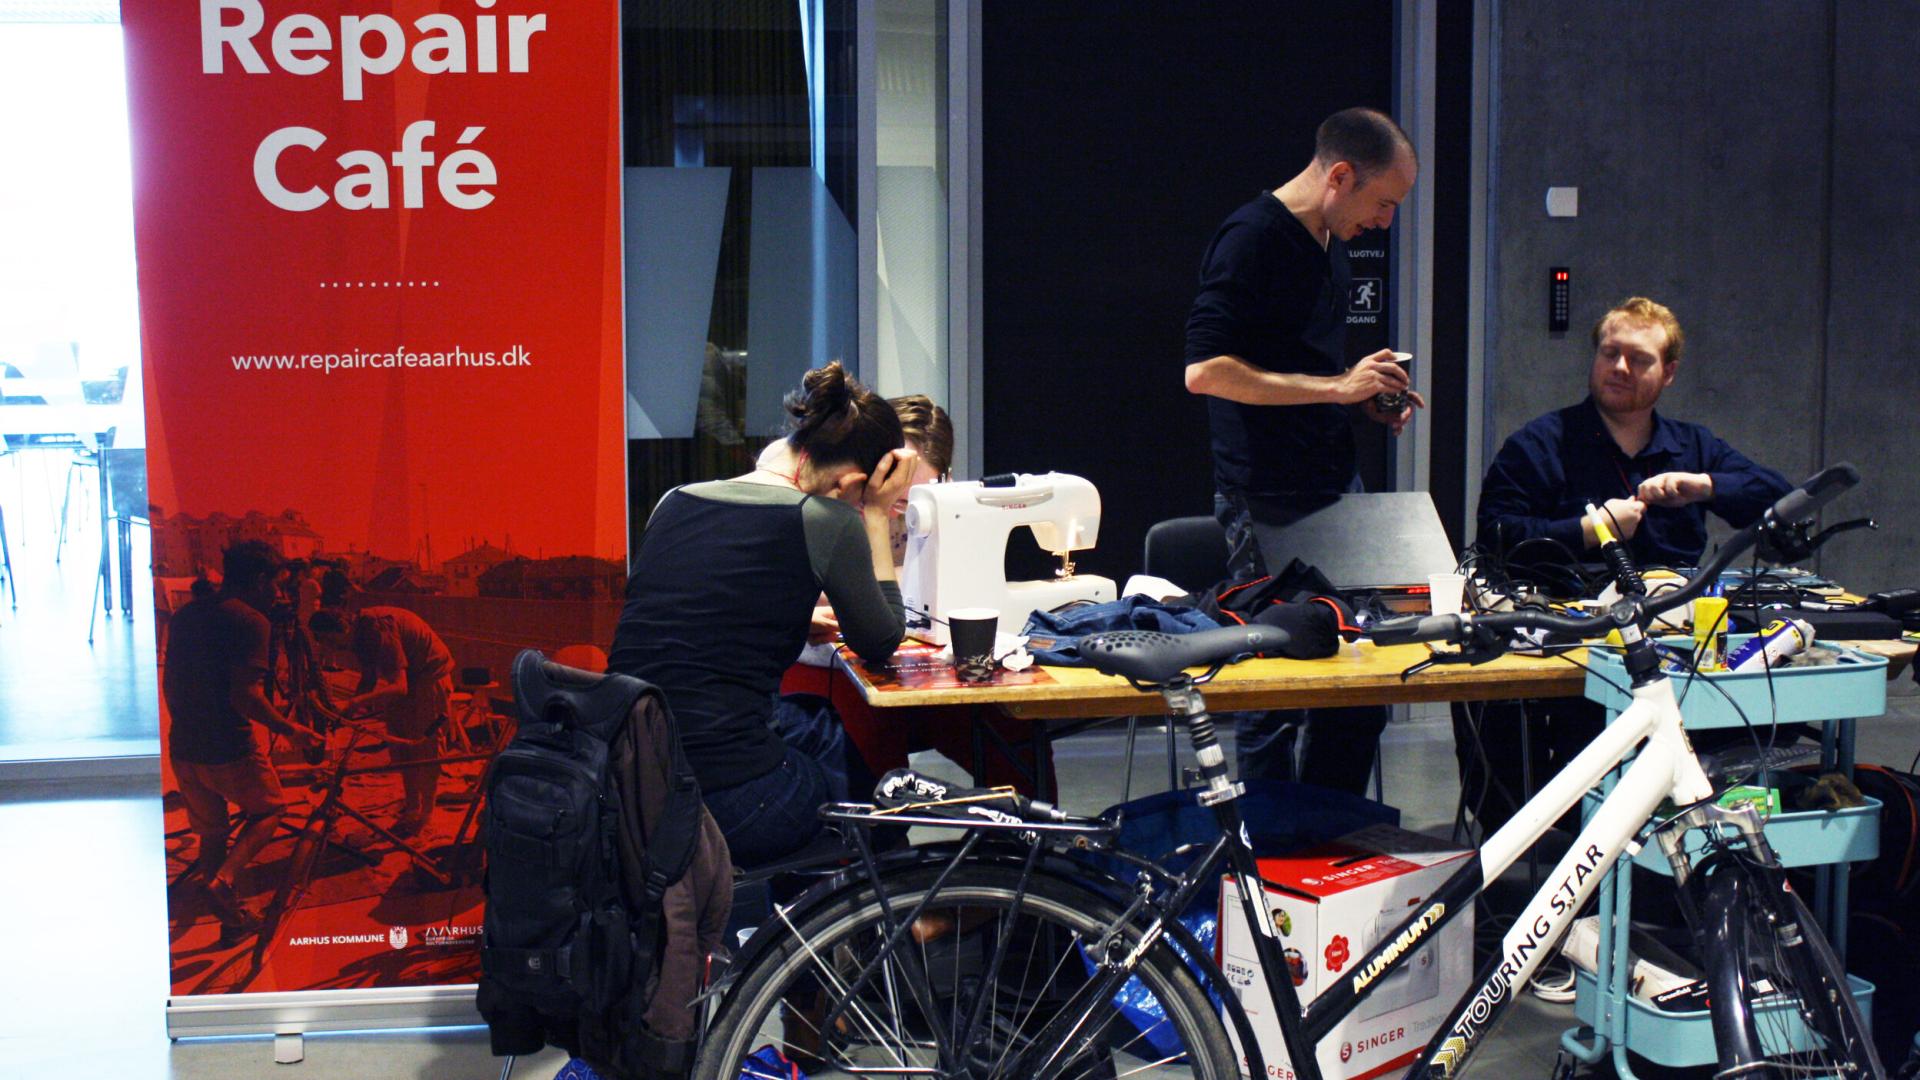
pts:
[1280, 816]
[1139, 1005]
[768, 1063]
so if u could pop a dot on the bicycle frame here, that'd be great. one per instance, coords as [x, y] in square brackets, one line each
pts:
[1665, 767]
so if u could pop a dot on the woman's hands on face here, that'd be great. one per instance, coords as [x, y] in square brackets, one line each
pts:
[891, 478]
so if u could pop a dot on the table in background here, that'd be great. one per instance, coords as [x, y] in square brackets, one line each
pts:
[88, 428]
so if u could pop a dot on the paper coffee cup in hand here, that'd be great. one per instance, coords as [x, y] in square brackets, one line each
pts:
[1395, 400]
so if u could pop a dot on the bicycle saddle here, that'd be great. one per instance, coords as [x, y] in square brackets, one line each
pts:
[1149, 656]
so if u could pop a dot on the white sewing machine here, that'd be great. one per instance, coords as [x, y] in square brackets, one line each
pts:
[957, 545]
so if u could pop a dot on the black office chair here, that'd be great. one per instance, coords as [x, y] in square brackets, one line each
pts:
[1191, 552]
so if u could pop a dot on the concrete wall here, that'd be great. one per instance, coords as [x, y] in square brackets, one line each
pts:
[1873, 329]
[1703, 138]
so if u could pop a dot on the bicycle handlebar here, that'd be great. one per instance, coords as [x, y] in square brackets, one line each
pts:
[1148, 656]
[1809, 497]
[1798, 503]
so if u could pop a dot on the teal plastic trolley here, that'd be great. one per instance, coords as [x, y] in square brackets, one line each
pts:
[1612, 1019]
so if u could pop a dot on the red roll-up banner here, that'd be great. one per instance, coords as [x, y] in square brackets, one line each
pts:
[379, 269]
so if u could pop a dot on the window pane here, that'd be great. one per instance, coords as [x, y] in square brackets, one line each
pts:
[740, 226]
[66, 211]
[911, 201]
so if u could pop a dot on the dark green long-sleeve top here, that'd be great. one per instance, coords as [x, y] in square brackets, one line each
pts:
[718, 605]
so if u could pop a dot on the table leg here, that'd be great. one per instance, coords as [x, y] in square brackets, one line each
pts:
[976, 723]
[106, 563]
[6, 561]
[1526, 793]
[1042, 748]
[125, 529]
[984, 732]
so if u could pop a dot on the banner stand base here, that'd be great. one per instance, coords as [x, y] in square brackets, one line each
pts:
[298, 1012]
[289, 1048]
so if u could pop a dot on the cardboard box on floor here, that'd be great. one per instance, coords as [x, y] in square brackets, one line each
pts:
[1332, 904]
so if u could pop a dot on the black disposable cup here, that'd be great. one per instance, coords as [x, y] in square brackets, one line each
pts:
[971, 631]
[1395, 400]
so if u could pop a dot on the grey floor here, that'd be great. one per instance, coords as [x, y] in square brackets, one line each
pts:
[83, 938]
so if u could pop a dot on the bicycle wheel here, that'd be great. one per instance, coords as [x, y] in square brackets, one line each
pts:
[1779, 999]
[980, 959]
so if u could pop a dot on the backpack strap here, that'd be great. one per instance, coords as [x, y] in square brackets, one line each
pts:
[672, 840]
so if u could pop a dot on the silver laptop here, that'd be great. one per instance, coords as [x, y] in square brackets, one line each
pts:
[1387, 541]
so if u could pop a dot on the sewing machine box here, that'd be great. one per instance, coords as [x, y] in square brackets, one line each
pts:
[1332, 904]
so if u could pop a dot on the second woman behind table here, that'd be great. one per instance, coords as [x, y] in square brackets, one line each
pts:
[722, 590]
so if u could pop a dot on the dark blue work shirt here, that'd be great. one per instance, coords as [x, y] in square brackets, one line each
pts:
[1272, 296]
[1546, 473]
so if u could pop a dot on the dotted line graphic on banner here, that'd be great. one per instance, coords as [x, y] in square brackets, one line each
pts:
[379, 284]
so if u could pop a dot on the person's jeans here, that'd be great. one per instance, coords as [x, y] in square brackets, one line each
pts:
[809, 724]
[771, 815]
[1333, 748]
[1244, 562]
[779, 813]
[1489, 740]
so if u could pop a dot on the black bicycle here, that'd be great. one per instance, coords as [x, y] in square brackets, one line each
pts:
[1011, 953]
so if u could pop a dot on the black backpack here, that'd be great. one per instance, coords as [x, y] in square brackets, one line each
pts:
[592, 819]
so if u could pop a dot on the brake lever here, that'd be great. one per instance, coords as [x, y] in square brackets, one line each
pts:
[1792, 542]
[1474, 657]
[1480, 647]
[1826, 534]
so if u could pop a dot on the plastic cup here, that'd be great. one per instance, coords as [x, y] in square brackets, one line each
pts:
[972, 631]
[1446, 592]
[1394, 401]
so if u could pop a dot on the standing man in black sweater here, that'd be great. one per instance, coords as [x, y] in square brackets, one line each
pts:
[1266, 345]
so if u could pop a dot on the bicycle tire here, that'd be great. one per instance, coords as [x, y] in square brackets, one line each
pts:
[931, 985]
[1779, 999]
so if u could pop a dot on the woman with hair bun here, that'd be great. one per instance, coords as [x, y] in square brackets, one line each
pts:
[720, 598]
[883, 742]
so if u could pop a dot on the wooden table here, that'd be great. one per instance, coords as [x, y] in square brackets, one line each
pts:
[1361, 674]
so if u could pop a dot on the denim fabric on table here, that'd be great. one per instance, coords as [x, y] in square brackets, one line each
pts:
[1054, 637]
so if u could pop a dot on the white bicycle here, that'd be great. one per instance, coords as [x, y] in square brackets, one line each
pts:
[1002, 954]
